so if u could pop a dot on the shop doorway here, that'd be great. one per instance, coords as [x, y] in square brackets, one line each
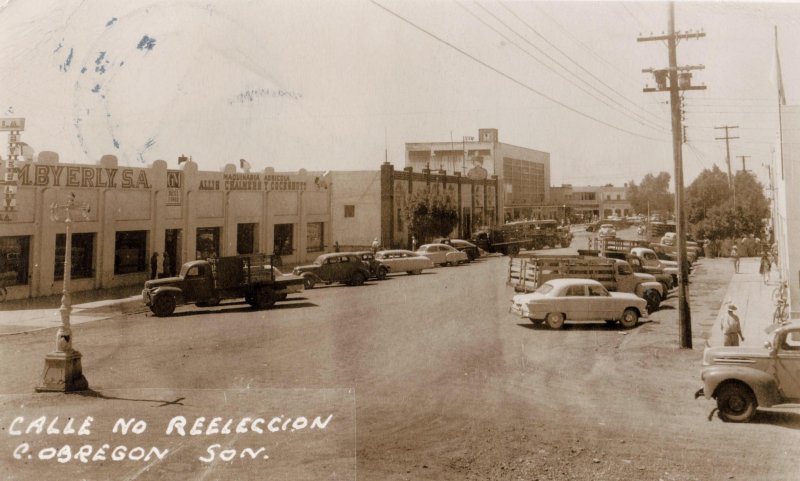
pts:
[173, 245]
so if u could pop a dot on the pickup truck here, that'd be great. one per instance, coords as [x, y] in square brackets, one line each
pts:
[742, 379]
[207, 282]
[527, 272]
[638, 265]
[650, 260]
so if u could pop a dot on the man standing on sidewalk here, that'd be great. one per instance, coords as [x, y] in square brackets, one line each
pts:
[154, 265]
[731, 329]
[735, 255]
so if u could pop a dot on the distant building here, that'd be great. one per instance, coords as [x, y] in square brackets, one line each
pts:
[600, 202]
[524, 173]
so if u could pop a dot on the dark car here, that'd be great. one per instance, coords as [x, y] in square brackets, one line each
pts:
[344, 267]
[464, 246]
[376, 268]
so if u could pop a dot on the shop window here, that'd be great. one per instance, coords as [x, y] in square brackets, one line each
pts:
[284, 239]
[315, 236]
[82, 256]
[14, 253]
[349, 211]
[207, 245]
[246, 239]
[130, 252]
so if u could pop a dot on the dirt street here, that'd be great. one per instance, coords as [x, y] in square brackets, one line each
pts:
[448, 384]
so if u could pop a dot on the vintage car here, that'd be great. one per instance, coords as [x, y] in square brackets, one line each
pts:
[607, 231]
[290, 288]
[559, 300]
[461, 245]
[442, 254]
[399, 260]
[372, 264]
[344, 267]
[742, 379]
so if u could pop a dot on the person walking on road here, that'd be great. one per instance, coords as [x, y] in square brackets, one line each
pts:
[735, 255]
[731, 329]
[765, 266]
[154, 265]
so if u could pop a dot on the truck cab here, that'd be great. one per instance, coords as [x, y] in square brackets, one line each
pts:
[742, 379]
[641, 284]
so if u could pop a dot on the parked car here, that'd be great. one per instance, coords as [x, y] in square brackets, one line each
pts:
[442, 254]
[742, 379]
[399, 260]
[607, 231]
[461, 245]
[374, 266]
[290, 288]
[560, 300]
[668, 239]
[344, 267]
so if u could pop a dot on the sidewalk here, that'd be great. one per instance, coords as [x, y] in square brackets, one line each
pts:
[28, 315]
[753, 300]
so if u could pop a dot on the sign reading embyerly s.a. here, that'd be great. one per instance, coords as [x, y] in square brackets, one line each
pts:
[8, 208]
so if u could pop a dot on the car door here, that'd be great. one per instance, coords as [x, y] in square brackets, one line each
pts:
[575, 302]
[327, 271]
[199, 283]
[435, 255]
[788, 365]
[601, 305]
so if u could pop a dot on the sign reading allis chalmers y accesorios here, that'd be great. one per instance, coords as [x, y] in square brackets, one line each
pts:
[80, 176]
[253, 182]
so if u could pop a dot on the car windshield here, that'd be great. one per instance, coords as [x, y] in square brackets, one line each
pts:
[544, 288]
[318, 260]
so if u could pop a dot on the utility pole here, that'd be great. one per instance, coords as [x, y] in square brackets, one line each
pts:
[743, 157]
[680, 78]
[728, 149]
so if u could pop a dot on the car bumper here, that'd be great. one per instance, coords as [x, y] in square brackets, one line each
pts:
[146, 297]
[520, 310]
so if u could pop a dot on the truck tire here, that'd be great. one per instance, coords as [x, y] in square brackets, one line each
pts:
[629, 318]
[653, 299]
[163, 305]
[308, 281]
[736, 402]
[264, 298]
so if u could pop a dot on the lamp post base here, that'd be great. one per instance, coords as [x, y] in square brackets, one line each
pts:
[62, 373]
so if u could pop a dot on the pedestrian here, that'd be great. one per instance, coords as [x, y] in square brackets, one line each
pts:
[166, 266]
[735, 255]
[154, 265]
[731, 329]
[413, 243]
[336, 246]
[375, 245]
[765, 266]
[590, 242]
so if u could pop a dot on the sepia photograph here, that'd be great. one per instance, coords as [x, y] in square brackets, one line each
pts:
[399, 240]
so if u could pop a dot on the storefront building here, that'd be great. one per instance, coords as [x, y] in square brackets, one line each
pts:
[131, 213]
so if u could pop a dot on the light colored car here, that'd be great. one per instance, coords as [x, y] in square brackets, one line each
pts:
[442, 254]
[668, 239]
[399, 260]
[560, 300]
[607, 231]
[290, 288]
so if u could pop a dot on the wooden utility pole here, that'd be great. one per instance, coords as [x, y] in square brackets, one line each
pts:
[679, 79]
[728, 149]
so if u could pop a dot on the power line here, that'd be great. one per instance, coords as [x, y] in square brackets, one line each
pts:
[509, 77]
[502, 4]
[641, 120]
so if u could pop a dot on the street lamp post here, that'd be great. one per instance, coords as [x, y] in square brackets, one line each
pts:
[62, 367]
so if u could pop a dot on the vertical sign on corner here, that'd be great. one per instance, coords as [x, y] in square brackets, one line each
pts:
[9, 181]
[174, 187]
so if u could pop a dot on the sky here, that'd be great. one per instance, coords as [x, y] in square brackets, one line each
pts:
[344, 85]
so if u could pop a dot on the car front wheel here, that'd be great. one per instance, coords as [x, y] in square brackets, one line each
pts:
[164, 305]
[629, 318]
[555, 320]
[736, 403]
[308, 282]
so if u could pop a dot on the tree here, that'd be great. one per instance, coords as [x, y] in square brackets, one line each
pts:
[653, 192]
[715, 211]
[431, 215]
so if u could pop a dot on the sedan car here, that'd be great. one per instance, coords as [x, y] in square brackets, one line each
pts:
[345, 267]
[442, 254]
[607, 231]
[463, 246]
[399, 260]
[559, 300]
